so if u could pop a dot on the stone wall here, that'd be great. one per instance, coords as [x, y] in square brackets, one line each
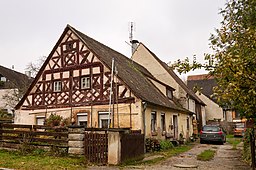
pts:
[76, 140]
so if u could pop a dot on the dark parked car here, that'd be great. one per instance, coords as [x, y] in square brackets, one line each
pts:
[212, 133]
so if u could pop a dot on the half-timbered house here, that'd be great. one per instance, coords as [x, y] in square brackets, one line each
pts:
[75, 82]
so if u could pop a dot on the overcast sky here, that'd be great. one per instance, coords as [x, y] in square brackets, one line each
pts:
[172, 29]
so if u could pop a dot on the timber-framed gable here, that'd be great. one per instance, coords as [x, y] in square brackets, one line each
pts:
[73, 76]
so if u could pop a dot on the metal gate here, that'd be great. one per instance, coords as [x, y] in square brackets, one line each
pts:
[96, 147]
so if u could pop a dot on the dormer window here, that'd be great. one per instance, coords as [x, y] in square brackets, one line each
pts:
[169, 93]
[86, 82]
[57, 86]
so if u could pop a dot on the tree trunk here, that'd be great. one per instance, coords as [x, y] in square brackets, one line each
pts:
[252, 143]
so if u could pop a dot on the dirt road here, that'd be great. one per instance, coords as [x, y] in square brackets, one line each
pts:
[225, 158]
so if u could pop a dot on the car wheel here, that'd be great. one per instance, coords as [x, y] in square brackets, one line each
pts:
[201, 141]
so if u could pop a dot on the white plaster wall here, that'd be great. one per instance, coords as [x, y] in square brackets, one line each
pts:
[144, 57]
[212, 110]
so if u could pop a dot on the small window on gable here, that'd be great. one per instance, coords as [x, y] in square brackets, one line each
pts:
[69, 46]
[85, 82]
[57, 86]
[169, 93]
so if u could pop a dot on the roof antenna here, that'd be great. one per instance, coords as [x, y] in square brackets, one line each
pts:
[134, 43]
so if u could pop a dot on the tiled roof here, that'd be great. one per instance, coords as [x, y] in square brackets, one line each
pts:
[130, 72]
[14, 79]
[205, 82]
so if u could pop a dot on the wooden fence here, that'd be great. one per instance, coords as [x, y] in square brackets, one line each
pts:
[13, 135]
[132, 146]
[96, 147]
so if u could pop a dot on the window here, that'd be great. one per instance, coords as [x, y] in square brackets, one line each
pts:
[103, 119]
[40, 120]
[188, 123]
[69, 46]
[85, 82]
[163, 122]
[82, 119]
[153, 121]
[57, 86]
[169, 93]
[3, 79]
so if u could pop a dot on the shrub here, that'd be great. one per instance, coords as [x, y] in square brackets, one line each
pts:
[165, 145]
[57, 120]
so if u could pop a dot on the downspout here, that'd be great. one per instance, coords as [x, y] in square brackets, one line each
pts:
[144, 107]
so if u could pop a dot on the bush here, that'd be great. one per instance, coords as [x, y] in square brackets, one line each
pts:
[165, 145]
[56, 120]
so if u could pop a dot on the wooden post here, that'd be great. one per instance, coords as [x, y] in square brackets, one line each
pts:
[252, 143]
[1, 131]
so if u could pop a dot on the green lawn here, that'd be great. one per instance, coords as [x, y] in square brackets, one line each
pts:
[14, 160]
[206, 155]
[233, 141]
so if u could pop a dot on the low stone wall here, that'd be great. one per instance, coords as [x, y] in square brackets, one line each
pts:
[76, 140]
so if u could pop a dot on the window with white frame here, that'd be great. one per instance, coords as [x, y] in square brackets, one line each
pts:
[163, 126]
[40, 120]
[85, 82]
[82, 119]
[103, 119]
[57, 86]
[153, 121]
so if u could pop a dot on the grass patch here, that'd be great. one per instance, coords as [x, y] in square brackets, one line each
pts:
[13, 160]
[234, 141]
[206, 155]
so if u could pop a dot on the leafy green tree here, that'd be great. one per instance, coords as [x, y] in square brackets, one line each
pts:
[233, 62]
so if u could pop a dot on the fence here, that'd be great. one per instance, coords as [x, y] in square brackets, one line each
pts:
[14, 135]
[132, 146]
[100, 146]
[96, 147]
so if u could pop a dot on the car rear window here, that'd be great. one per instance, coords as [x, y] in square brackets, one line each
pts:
[211, 128]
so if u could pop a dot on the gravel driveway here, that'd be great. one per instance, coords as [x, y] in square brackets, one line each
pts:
[226, 158]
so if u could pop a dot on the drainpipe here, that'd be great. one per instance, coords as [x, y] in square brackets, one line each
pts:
[144, 106]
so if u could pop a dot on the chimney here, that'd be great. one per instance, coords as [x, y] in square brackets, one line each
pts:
[28, 73]
[134, 45]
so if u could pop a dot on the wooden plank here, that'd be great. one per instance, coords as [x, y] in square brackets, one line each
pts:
[4, 125]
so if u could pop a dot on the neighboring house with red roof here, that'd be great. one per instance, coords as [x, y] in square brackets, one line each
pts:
[12, 86]
[75, 82]
[204, 84]
[182, 95]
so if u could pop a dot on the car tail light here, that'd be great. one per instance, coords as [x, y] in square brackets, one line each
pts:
[201, 131]
[220, 132]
